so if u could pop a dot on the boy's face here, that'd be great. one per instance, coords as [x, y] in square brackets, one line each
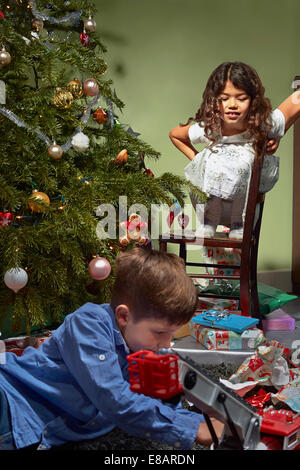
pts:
[150, 334]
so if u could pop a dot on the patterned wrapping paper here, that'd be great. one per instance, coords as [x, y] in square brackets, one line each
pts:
[226, 340]
[19, 343]
[267, 366]
[217, 303]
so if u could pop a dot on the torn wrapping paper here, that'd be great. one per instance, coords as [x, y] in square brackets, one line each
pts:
[267, 366]
[227, 340]
[290, 395]
[240, 388]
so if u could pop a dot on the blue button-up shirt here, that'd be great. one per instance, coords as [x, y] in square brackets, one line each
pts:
[75, 387]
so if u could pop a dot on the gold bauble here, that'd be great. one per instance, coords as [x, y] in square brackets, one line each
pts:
[5, 57]
[37, 24]
[90, 25]
[55, 151]
[75, 88]
[63, 99]
[38, 201]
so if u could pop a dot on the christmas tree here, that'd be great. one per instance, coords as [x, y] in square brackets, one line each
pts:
[64, 152]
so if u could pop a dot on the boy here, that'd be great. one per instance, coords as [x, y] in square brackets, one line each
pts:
[75, 386]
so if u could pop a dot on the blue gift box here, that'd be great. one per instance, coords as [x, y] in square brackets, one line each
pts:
[224, 320]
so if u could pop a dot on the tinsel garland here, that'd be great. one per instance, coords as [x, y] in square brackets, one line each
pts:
[74, 17]
[83, 120]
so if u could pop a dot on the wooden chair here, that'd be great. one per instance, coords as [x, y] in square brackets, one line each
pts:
[249, 250]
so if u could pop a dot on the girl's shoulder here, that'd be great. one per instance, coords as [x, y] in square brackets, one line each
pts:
[197, 135]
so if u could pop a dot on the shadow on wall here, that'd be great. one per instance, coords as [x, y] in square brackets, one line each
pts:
[119, 68]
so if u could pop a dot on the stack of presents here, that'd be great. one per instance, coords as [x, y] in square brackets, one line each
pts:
[266, 378]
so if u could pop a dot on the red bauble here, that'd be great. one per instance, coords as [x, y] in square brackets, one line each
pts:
[5, 219]
[149, 172]
[100, 116]
[84, 38]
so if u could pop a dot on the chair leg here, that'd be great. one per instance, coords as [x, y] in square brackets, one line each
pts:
[182, 252]
[254, 290]
[245, 288]
[162, 246]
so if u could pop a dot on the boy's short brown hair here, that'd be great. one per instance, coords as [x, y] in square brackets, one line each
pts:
[154, 284]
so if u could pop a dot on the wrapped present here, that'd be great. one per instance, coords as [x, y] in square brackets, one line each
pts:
[224, 320]
[227, 340]
[278, 320]
[205, 303]
[19, 343]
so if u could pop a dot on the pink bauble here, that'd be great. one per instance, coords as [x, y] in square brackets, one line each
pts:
[90, 87]
[99, 268]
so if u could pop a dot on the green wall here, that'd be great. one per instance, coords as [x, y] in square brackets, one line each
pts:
[160, 54]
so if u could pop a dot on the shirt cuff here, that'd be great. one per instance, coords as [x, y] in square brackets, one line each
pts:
[184, 427]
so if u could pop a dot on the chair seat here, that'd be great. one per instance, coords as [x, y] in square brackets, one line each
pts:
[189, 236]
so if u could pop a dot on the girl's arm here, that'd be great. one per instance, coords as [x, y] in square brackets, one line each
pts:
[179, 136]
[291, 109]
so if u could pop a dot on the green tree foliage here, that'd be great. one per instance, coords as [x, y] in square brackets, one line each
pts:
[56, 244]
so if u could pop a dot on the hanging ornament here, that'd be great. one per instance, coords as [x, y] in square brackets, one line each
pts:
[183, 220]
[134, 230]
[84, 38]
[5, 57]
[75, 88]
[99, 268]
[37, 24]
[100, 115]
[80, 142]
[90, 24]
[38, 201]
[15, 279]
[63, 99]
[5, 219]
[170, 218]
[149, 172]
[122, 157]
[55, 151]
[90, 87]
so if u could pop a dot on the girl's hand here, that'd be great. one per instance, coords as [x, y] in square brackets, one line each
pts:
[272, 146]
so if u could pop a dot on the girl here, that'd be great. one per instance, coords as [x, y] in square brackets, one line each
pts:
[236, 122]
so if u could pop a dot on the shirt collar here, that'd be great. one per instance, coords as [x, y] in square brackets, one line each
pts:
[117, 334]
[243, 137]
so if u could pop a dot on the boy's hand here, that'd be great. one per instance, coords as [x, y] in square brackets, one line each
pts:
[272, 146]
[203, 435]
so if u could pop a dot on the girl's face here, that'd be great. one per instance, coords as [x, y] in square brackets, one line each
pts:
[234, 106]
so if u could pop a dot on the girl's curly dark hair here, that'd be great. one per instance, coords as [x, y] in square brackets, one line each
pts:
[244, 77]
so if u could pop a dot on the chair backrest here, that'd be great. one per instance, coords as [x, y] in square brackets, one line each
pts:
[253, 211]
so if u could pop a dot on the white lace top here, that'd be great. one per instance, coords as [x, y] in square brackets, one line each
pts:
[224, 169]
